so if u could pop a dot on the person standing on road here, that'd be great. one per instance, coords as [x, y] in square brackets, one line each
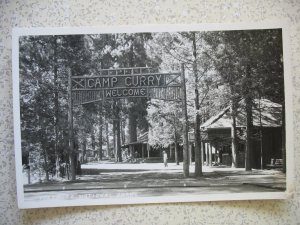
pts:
[136, 155]
[165, 158]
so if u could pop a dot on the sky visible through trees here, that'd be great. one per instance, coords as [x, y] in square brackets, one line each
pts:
[221, 67]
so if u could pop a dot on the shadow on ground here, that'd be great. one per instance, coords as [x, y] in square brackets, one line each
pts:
[120, 176]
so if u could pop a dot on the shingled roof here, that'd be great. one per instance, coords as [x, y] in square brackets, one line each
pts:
[270, 115]
[142, 139]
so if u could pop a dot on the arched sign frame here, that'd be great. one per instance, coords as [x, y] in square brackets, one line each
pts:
[134, 82]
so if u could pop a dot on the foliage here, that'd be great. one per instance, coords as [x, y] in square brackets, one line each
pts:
[221, 66]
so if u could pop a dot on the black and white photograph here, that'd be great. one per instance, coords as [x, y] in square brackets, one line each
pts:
[135, 116]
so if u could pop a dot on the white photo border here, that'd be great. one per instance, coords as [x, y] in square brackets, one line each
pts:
[288, 89]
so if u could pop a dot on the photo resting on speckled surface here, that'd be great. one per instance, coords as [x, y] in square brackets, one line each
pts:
[151, 114]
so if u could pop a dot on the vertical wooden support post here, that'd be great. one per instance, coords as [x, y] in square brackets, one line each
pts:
[185, 126]
[210, 154]
[70, 128]
[207, 153]
[148, 150]
[202, 152]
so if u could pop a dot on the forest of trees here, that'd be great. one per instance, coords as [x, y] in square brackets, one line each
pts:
[221, 67]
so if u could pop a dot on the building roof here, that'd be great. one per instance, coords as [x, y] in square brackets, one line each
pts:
[269, 112]
[142, 139]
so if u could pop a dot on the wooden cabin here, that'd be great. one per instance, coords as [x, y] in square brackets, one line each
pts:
[142, 150]
[267, 138]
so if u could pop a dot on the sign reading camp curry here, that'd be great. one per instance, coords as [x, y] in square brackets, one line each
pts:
[125, 83]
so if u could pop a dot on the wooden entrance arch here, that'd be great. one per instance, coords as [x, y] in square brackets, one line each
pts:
[136, 82]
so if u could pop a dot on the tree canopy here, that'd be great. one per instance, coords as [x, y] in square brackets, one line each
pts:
[222, 67]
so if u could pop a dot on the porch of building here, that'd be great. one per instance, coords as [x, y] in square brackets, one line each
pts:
[216, 137]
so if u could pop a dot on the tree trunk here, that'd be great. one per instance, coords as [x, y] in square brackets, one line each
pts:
[100, 156]
[56, 111]
[117, 131]
[70, 130]
[93, 141]
[186, 170]
[176, 147]
[114, 139]
[119, 152]
[132, 129]
[118, 127]
[198, 163]
[176, 141]
[45, 156]
[249, 119]
[233, 133]
[132, 118]
[84, 149]
[249, 125]
[283, 139]
[107, 140]
[190, 154]
[123, 128]
[261, 136]
[176, 152]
